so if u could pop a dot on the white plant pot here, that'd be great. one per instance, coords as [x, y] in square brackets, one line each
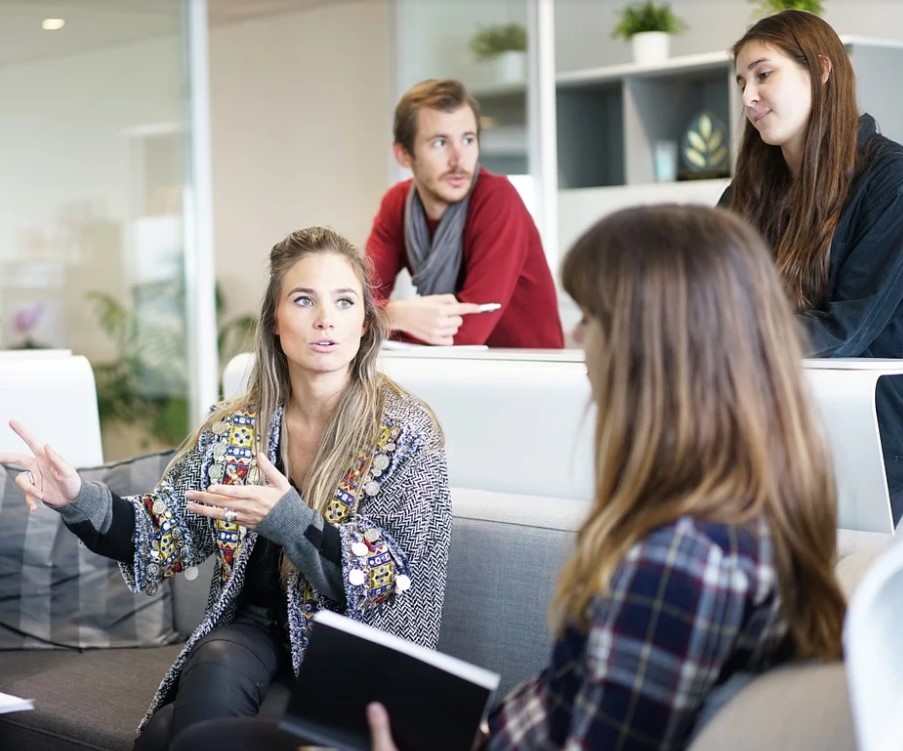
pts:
[650, 47]
[510, 67]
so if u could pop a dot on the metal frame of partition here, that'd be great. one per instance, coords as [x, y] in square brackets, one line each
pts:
[200, 277]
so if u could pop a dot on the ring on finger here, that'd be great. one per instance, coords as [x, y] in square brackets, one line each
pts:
[30, 476]
[230, 515]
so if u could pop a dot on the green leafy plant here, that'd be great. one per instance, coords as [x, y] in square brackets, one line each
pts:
[765, 7]
[234, 335]
[145, 384]
[492, 41]
[647, 16]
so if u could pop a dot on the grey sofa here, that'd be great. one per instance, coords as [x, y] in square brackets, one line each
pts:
[506, 553]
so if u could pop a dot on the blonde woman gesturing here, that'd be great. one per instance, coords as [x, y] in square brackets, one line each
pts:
[323, 486]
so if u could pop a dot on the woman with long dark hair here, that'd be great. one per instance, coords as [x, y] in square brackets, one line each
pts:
[826, 190]
[707, 554]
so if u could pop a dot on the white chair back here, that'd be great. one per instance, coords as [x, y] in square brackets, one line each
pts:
[236, 374]
[52, 393]
[844, 390]
[519, 421]
[874, 655]
[512, 424]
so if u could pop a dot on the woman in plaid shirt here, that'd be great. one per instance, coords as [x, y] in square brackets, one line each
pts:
[707, 555]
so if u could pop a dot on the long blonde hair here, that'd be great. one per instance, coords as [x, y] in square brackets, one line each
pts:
[357, 416]
[701, 406]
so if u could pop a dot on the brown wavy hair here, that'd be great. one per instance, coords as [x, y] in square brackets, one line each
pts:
[798, 216]
[446, 95]
[702, 410]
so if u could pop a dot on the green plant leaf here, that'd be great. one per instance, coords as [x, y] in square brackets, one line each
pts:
[766, 7]
[492, 41]
[145, 384]
[647, 16]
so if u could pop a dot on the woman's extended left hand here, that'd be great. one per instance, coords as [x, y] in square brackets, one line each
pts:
[246, 505]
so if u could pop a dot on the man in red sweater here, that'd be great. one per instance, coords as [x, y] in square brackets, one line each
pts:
[463, 233]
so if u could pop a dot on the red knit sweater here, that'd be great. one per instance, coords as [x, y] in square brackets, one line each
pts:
[502, 262]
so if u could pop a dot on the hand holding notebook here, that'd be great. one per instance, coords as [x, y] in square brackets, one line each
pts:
[435, 701]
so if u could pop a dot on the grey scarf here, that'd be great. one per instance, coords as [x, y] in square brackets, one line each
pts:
[436, 263]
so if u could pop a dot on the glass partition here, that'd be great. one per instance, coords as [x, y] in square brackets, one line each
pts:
[483, 44]
[95, 145]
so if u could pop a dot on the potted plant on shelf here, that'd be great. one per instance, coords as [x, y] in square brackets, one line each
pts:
[506, 46]
[649, 26]
[764, 7]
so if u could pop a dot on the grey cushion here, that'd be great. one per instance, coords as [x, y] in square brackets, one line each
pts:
[92, 700]
[55, 593]
[506, 553]
[803, 707]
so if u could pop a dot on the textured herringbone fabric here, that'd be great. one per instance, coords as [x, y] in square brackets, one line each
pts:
[402, 517]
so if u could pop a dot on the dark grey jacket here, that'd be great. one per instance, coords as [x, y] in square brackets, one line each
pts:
[863, 311]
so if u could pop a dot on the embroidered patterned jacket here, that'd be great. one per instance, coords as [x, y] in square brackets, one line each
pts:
[394, 543]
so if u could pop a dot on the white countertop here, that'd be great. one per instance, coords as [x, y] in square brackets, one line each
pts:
[885, 366]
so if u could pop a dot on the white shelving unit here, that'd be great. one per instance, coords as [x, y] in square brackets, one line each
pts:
[503, 142]
[608, 119]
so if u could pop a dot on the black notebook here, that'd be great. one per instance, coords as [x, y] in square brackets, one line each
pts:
[435, 701]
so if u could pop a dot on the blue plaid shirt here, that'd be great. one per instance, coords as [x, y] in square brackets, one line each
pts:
[692, 604]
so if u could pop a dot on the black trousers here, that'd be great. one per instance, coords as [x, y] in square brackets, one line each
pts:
[236, 734]
[228, 674]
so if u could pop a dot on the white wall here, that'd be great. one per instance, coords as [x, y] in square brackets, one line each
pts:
[67, 180]
[301, 123]
[435, 37]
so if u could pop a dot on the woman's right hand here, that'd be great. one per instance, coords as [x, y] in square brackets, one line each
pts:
[380, 731]
[48, 477]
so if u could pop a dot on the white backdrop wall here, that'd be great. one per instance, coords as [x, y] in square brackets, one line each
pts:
[301, 130]
[435, 36]
[68, 182]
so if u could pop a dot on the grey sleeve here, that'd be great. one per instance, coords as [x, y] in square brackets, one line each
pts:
[94, 504]
[312, 544]
[103, 521]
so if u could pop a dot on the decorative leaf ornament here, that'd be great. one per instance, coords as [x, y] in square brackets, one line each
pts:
[705, 143]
